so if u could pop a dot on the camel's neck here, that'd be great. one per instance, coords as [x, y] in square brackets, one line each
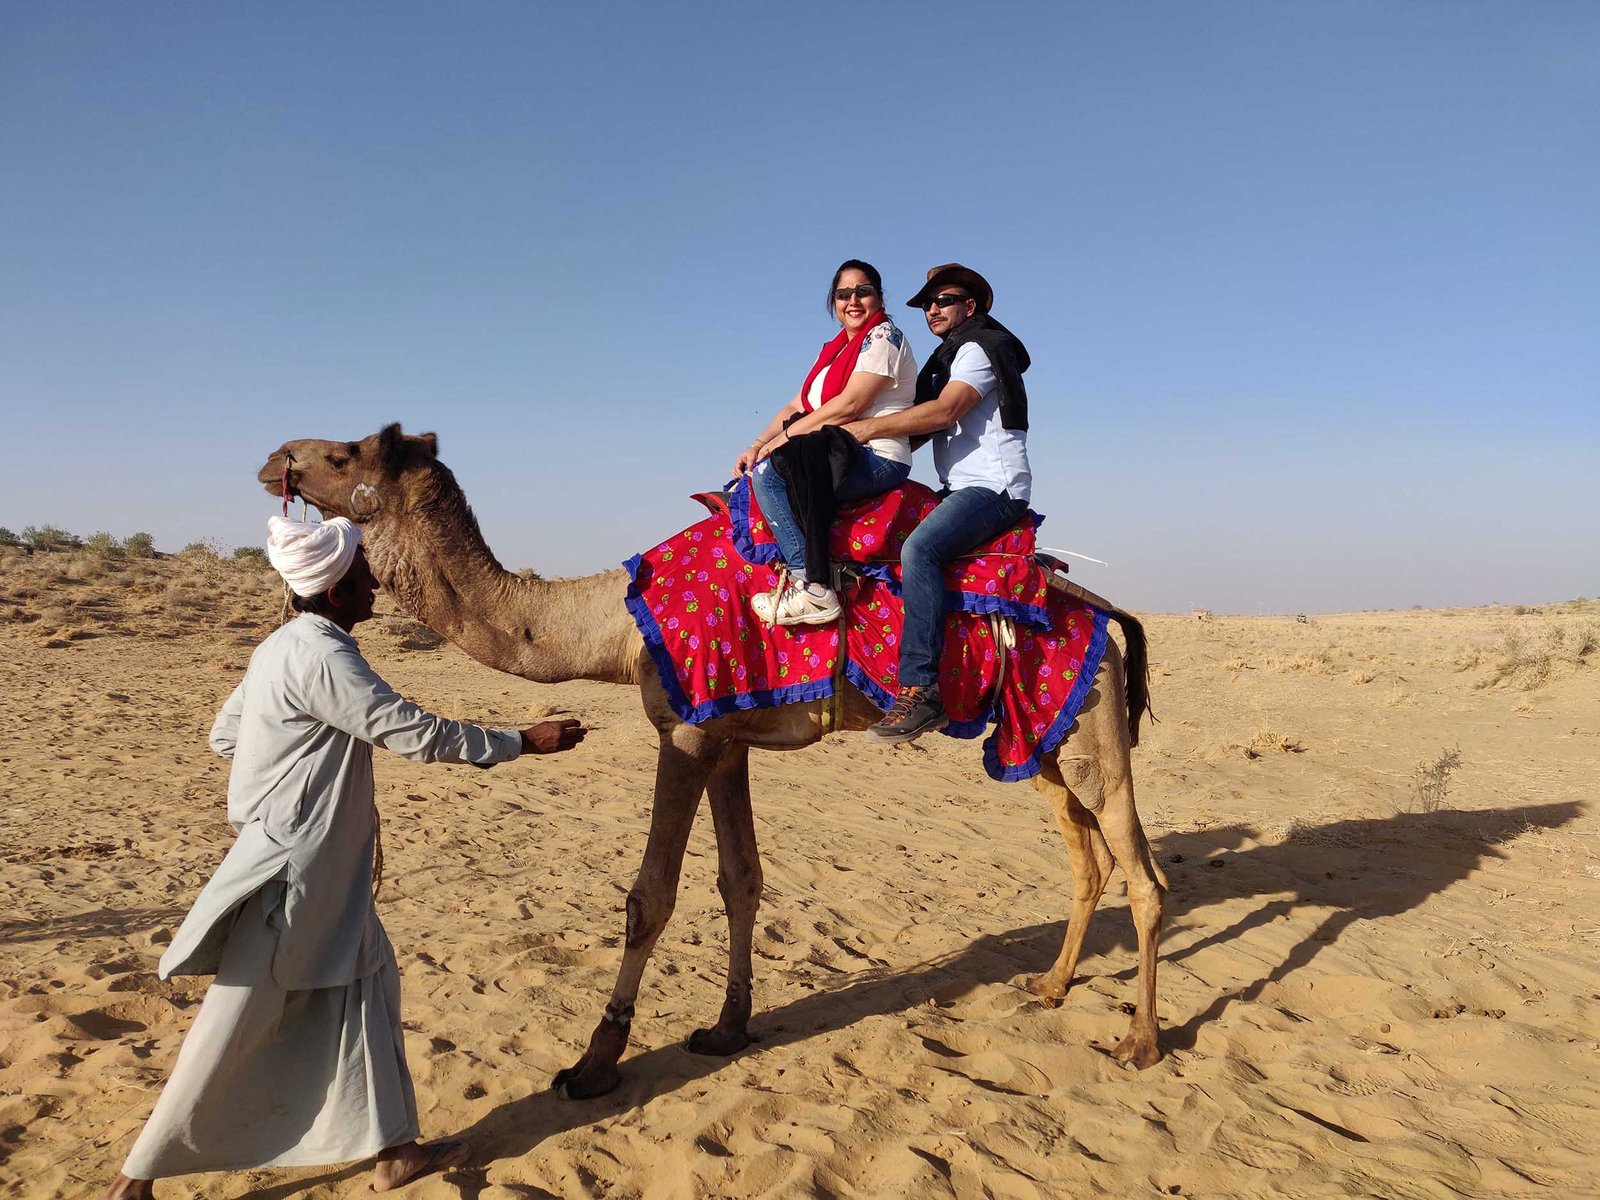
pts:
[434, 562]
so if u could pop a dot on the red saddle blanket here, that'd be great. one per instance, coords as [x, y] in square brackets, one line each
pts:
[690, 597]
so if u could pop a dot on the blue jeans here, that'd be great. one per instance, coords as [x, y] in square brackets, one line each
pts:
[964, 520]
[869, 475]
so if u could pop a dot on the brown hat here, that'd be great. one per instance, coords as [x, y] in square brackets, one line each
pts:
[959, 276]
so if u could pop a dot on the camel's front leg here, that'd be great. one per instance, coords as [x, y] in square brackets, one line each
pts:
[739, 881]
[682, 768]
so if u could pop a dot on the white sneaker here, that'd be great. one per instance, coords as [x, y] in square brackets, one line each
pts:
[796, 605]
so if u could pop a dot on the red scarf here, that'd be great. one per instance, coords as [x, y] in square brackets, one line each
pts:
[842, 353]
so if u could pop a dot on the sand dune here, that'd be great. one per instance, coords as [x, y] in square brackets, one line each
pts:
[1368, 988]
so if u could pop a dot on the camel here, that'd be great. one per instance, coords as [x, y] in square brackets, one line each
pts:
[426, 549]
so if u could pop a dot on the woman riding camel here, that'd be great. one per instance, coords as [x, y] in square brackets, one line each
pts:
[868, 370]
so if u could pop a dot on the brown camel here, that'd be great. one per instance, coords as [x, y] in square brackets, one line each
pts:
[426, 549]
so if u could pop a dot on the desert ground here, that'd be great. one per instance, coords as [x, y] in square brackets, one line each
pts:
[1379, 975]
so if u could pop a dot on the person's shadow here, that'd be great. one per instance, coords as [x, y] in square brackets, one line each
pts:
[1417, 855]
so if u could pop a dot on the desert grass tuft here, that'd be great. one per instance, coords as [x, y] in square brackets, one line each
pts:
[1319, 662]
[1528, 657]
[1262, 743]
[1431, 781]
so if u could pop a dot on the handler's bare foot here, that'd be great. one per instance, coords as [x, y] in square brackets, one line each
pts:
[399, 1165]
[123, 1188]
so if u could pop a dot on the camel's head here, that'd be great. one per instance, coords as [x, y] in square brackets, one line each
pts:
[351, 479]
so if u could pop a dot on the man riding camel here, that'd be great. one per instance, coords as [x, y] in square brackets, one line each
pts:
[297, 1057]
[970, 397]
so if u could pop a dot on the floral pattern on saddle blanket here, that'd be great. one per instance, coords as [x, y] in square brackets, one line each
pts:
[1000, 576]
[690, 597]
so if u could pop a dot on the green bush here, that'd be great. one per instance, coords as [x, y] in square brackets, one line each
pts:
[7, 538]
[249, 554]
[103, 543]
[51, 537]
[140, 545]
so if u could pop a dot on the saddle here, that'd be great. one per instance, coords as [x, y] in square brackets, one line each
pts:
[690, 597]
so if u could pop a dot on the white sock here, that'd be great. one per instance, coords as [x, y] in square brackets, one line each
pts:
[819, 591]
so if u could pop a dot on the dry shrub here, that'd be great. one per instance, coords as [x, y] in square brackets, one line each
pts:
[1319, 662]
[1431, 780]
[83, 565]
[1204, 614]
[1236, 664]
[1266, 741]
[1359, 676]
[1525, 658]
[55, 615]
[183, 596]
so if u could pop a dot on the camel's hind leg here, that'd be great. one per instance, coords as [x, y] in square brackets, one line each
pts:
[739, 881]
[684, 764]
[1102, 770]
[1147, 888]
[1088, 856]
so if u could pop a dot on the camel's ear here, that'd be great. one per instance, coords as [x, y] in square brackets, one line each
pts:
[392, 448]
[430, 442]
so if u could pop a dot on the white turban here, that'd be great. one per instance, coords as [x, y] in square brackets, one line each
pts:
[311, 558]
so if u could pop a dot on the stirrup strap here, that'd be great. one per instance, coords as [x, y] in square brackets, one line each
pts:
[844, 578]
[1004, 632]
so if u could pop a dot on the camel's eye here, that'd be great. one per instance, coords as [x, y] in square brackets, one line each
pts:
[337, 461]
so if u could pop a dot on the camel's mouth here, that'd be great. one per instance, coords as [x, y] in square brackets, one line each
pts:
[276, 481]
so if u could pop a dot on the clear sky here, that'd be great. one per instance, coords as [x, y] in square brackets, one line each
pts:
[1312, 290]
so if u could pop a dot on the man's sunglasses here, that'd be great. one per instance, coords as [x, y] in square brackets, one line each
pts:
[944, 300]
[863, 292]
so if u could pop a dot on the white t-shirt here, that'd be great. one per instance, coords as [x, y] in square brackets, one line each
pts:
[885, 352]
[978, 451]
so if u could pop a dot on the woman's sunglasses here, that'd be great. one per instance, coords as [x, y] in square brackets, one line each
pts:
[864, 292]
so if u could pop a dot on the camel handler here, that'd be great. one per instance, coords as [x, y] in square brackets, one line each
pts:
[297, 1056]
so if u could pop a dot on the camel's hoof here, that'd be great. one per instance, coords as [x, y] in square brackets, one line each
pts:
[1047, 990]
[585, 1081]
[719, 1042]
[1138, 1050]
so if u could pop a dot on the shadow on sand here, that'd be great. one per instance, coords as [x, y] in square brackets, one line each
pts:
[1399, 862]
[99, 923]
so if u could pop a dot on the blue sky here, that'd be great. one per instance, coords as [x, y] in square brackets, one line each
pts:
[1312, 290]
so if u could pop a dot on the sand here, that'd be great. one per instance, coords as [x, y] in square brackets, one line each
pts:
[1371, 985]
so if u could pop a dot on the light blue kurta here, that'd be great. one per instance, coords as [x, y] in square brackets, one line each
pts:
[297, 1055]
[300, 729]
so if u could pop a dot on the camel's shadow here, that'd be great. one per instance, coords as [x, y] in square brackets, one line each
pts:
[1419, 855]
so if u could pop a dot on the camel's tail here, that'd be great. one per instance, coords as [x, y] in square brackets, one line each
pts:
[1135, 661]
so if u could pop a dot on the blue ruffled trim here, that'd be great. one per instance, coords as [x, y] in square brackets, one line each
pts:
[743, 540]
[695, 714]
[982, 604]
[867, 685]
[1062, 725]
[967, 730]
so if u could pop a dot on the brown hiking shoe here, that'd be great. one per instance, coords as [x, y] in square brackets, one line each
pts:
[916, 710]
